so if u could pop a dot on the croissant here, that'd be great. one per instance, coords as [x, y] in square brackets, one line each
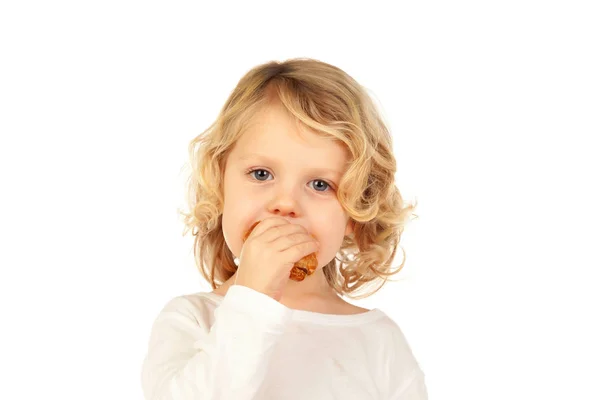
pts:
[303, 267]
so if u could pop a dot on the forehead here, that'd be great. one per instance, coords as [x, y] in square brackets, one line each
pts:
[275, 133]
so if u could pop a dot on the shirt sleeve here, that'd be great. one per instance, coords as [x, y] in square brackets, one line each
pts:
[229, 360]
[414, 389]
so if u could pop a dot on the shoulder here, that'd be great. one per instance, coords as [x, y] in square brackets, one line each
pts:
[195, 308]
[396, 337]
[393, 350]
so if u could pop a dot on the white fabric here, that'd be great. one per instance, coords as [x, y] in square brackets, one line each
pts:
[246, 345]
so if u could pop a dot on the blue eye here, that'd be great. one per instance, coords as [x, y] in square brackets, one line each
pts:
[259, 170]
[325, 184]
[262, 175]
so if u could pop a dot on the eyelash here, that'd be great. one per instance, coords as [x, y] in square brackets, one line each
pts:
[329, 185]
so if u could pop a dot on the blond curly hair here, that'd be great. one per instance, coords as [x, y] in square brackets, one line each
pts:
[327, 100]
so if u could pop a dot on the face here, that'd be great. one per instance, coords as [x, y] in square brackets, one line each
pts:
[275, 169]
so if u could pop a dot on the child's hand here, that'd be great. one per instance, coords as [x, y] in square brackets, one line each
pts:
[269, 254]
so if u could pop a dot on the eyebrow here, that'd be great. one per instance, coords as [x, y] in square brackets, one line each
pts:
[269, 160]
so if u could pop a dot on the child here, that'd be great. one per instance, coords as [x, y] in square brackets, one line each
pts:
[300, 149]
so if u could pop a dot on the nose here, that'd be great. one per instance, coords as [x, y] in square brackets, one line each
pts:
[284, 204]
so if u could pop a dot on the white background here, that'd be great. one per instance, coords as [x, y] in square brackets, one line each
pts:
[494, 108]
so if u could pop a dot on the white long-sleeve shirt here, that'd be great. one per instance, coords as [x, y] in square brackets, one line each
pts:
[247, 345]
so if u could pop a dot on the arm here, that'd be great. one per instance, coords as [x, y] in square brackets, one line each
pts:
[229, 362]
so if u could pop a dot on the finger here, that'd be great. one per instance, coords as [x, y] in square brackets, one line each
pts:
[259, 227]
[295, 253]
[276, 232]
[285, 242]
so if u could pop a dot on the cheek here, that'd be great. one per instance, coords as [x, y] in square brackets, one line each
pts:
[230, 214]
[331, 234]
[232, 233]
[227, 234]
[230, 227]
[236, 215]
